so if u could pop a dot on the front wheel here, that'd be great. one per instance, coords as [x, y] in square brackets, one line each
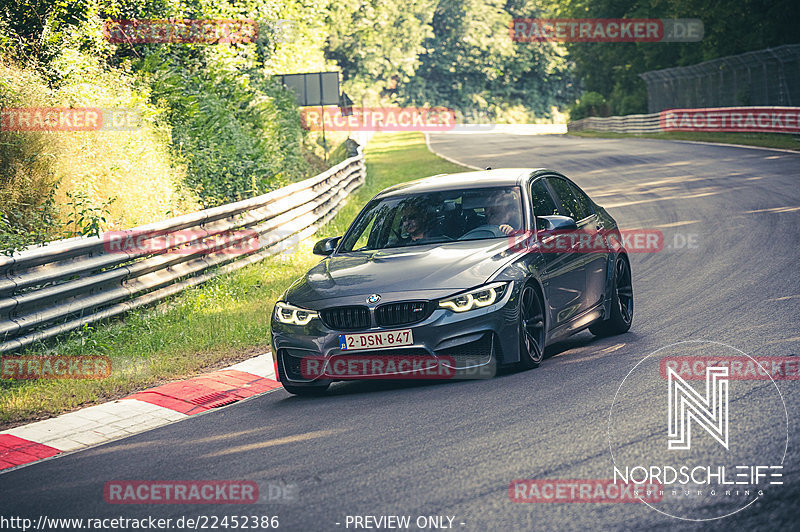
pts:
[621, 302]
[531, 325]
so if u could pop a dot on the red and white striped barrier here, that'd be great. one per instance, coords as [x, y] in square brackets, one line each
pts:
[753, 119]
[724, 119]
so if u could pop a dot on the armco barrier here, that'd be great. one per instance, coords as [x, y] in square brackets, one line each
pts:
[617, 124]
[51, 289]
[727, 119]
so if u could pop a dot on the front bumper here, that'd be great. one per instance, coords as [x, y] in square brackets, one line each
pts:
[467, 343]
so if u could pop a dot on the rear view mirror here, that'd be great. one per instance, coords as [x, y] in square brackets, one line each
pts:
[326, 246]
[555, 223]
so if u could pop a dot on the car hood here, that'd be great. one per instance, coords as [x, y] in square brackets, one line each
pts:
[420, 272]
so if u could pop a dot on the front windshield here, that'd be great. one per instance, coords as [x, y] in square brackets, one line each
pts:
[436, 217]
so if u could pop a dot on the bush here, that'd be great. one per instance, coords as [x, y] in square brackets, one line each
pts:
[47, 179]
[27, 176]
[590, 104]
[238, 133]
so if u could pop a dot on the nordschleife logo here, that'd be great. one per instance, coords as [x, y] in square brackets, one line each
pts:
[713, 447]
[709, 411]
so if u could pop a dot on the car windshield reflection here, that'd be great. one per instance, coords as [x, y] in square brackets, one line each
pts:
[438, 217]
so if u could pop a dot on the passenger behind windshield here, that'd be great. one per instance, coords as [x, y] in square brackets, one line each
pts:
[503, 210]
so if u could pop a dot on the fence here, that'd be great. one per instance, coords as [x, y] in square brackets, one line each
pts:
[59, 287]
[728, 119]
[768, 77]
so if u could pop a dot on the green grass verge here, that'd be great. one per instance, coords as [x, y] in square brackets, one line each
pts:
[763, 140]
[206, 327]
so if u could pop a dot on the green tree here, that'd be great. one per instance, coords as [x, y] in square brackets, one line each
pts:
[731, 27]
[377, 44]
[471, 62]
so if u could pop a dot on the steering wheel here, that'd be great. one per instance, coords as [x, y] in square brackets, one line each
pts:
[483, 231]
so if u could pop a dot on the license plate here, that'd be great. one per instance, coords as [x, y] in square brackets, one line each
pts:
[376, 340]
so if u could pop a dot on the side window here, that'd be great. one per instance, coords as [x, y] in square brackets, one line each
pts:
[569, 203]
[584, 201]
[543, 204]
[363, 240]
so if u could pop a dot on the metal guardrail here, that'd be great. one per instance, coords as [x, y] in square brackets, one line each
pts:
[52, 289]
[618, 124]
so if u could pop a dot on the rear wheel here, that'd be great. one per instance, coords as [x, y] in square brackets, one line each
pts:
[531, 328]
[621, 302]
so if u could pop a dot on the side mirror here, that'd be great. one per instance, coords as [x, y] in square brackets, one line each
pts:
[555, 223]
[326, 246]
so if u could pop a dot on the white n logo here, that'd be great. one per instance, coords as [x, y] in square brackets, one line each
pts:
[685, 405]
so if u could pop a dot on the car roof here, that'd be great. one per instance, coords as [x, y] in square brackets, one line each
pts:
[461, 180]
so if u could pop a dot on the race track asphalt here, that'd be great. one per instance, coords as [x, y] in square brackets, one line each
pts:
[729, 273]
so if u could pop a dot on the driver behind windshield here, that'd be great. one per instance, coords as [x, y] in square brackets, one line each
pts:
[415, 224]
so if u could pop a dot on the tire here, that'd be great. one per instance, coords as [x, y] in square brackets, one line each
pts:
[621, 302]
[531, 328]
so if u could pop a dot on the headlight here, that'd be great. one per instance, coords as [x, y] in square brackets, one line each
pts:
[292, 315]
[477, 298]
